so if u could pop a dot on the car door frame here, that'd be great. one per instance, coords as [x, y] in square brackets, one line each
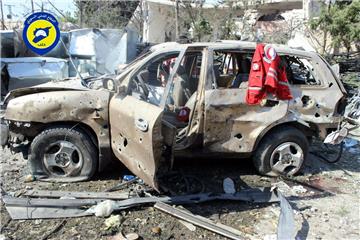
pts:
[230, 125]
[137, 129]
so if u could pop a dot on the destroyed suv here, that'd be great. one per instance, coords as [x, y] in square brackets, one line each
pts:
[174, 100]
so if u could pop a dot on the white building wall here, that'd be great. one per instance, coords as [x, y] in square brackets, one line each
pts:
[159, 25]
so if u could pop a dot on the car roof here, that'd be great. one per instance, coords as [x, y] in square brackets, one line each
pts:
[227, 44]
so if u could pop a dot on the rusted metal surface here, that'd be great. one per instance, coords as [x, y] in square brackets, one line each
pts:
[136, 139]
[233, 126]
[70, 106]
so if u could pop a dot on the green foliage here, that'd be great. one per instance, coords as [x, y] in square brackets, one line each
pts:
[228, 26]
[342, 22]
[202, 27]
[193, 17]
[229, 29]
[105, 14]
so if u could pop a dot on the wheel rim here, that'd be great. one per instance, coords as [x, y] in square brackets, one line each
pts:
[287, 158]
[62, 159]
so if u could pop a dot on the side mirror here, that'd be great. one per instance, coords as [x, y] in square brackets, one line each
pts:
[109, 84]
[121, 90]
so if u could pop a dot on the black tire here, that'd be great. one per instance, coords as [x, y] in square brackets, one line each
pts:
[262, 156]
[81, 155]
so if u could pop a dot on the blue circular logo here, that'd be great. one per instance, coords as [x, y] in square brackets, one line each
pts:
[41, 32]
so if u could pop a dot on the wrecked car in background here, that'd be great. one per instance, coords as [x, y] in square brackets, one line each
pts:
[176, 99]
[27, 72]
[85, 52]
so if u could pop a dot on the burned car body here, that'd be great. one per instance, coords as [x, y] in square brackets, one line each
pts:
[140, 122]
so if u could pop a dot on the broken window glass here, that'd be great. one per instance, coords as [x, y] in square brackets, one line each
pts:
[150, 80]
[231, 68]
[300, 71]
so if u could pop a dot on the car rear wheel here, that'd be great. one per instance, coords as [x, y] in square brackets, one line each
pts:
[63, 154]
[282, 152]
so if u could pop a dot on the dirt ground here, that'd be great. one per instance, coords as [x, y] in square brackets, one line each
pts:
[331, 215]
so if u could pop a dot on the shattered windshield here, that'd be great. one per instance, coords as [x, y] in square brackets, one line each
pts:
[140, 57]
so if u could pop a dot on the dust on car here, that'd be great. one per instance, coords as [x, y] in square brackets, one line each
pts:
[174, 100]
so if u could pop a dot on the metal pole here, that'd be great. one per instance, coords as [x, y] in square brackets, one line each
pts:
[2, 16]
[81, 14]
[177, 31]
[32, 6]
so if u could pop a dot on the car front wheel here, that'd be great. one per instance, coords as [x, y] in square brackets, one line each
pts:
[63, 154]
[282, 152]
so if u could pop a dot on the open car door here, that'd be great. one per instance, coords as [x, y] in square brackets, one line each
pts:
[137, 131]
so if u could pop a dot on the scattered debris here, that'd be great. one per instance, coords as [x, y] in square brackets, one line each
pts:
[129, 236]
[103, 209]
[286, 225]
[299, 189]
[19, 208]
[200, 221]
[128, 178]
[132, 236]
[123, 184]
[156, 230]
[118, 236]
[188, 225]
[112, 222]
[349, 143]
[89, 195]
[283, 187]
[29, 178]
[54, 230]
[229, 186]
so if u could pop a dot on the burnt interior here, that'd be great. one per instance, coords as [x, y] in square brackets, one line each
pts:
[231, 69]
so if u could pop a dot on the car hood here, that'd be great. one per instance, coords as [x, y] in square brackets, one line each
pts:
[68, 84]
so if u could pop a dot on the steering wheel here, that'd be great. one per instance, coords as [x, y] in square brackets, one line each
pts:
[142, 85]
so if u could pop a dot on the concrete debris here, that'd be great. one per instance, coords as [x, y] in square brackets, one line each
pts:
[229, 186]
[103, 209]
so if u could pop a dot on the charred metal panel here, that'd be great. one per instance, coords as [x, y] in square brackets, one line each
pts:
[318, 104]
[136, 138]
[233, 126]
